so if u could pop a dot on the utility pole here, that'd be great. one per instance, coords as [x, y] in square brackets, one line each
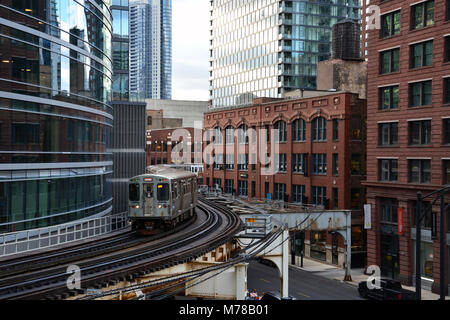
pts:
[441, 249]
[443, 239]
[293, 247]
[302, 248]
[418, 242]
[419, 217]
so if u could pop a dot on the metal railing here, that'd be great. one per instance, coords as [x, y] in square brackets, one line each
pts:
[34, 239]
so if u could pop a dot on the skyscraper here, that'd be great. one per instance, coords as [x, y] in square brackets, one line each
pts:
[55, 112]
[151, 49]
[120, 49]
[128, 142]
[266, 47]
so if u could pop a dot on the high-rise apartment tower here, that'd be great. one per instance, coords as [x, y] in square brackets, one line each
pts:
[263, 48]
[120, 50]
[151, 49]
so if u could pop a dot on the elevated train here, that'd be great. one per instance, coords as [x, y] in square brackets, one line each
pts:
[161, 199]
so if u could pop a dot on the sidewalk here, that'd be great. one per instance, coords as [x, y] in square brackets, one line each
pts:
[336, 273]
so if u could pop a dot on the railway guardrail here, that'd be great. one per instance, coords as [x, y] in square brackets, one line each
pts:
[34, 239]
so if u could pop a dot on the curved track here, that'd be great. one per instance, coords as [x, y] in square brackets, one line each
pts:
[124, 260]
[79, 252]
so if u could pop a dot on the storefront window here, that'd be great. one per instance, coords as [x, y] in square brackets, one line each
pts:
[426, 259]
[390, 266]
[359, 249]
[318, 242]
[357, 239]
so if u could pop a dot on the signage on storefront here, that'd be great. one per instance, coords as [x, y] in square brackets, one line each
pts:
[400, 221]
[367, 217]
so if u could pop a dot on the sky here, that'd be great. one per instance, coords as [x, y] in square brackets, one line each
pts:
[190, 50]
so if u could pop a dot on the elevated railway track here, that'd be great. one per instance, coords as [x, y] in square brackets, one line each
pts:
[116, 259]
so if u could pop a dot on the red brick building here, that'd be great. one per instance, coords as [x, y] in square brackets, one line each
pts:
[408, 132]
[321, 158]
[161, 143]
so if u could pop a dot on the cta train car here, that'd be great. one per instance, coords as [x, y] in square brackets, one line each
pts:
[161, 199]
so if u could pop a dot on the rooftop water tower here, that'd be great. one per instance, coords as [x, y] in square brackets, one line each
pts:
[346, 40]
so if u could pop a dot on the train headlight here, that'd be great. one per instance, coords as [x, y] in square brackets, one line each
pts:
[159, 206]
[137, 206]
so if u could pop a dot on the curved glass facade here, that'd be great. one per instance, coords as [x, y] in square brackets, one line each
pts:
[55, 112]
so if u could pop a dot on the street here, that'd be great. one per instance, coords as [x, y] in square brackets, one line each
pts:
[303, 285]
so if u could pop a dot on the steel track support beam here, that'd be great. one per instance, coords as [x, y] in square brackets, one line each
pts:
[285, 264]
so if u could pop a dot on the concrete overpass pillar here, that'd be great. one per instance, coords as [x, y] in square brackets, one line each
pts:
[241, 280]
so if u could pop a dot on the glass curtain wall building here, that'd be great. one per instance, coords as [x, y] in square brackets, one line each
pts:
[150, 49]
[55, 112]
[120, 49]
[262, 48]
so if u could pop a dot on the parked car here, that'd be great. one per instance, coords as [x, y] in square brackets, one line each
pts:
[389, 290]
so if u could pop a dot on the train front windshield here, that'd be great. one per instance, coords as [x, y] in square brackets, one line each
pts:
[163, 192]
[133, 189]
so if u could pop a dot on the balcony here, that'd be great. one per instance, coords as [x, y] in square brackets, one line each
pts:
[290, 82]
[285, 9]
[284, 20]
[285, 59]
[288, 72]
[285, 35]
